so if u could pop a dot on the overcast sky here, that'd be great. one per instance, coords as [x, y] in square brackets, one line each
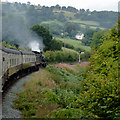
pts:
[86, 4]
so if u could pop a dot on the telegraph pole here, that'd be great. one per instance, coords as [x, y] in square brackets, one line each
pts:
[79, 55]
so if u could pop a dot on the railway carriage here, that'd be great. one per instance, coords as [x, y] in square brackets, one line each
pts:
[16, 62]
[28, 59]
[11, 62]
[0, 68]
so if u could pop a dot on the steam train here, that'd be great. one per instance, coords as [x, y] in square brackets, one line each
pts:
[14, 62]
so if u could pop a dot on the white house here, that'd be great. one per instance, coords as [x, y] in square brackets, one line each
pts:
[79, 36]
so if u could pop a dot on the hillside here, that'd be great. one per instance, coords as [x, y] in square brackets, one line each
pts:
[55, 17]
[75, 43]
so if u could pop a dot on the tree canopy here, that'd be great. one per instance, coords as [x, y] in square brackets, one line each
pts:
[97, 39]
[70, 28]
[49, 42]
[88, 37]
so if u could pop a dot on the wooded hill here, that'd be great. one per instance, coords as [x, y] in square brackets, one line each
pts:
[56, 17]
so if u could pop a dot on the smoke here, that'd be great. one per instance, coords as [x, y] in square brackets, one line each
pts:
[15, 29]
[36, 46]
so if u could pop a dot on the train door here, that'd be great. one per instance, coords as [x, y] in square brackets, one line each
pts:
[4, 66]
[0, 70]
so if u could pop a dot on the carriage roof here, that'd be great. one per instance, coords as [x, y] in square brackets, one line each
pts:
[9, 50]
[27, 52]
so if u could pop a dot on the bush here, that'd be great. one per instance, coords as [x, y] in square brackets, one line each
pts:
[99, 89]
[60, 56]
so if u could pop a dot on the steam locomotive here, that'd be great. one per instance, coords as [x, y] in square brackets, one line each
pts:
[14, 62]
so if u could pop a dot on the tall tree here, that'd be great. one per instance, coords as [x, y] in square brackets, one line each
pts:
[88, 37]
[49, 42]
[70, 28]
[97, 39]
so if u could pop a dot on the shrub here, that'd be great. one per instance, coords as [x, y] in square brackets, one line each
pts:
[99, 90]
[61, 56]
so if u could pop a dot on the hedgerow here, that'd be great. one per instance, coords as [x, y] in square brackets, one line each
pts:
[61, 56]
[65, 56]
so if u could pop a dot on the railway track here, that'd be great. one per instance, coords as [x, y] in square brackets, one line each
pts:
[9, 97]
[13, 79]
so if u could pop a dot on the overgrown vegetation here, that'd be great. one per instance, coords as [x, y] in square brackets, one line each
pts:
[52, 94]
[100, 90]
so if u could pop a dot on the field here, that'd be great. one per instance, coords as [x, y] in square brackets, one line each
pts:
[85, 22]
[52, 22]
[69, 14]
[69, 50]
[91, 24]
[75, 43]
[66, 13]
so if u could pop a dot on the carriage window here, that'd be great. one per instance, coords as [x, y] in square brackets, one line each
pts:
[17, 61]
[3, 59]
[32, 59]
[25, 59]
[10, 62]
[13, 62]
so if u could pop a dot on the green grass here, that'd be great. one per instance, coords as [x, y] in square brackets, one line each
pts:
[75, 43]
[52, 22]
[66, 13]
[69, 50]
[91, 24]
[93, 27]
[85, 22]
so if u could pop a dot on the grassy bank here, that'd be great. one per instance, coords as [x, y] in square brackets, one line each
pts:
[53, 93]
[76, 43]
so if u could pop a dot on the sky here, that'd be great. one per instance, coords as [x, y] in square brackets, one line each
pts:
[99, 5]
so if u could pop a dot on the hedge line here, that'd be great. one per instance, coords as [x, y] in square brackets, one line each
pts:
[65, 56]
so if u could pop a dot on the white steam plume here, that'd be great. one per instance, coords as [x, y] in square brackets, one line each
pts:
[36, 46]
